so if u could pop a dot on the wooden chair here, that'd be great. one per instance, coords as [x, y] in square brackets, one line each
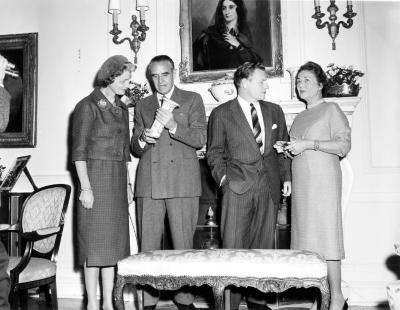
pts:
[40, 227]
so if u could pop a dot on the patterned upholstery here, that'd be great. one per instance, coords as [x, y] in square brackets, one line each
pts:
[43, 210]
[40, 228]
[265, 270]
[38, 268]
[225, 262]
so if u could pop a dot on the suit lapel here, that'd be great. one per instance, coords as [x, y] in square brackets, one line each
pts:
[267, 117]
[240, 119]
[153, 106]
[177, 97]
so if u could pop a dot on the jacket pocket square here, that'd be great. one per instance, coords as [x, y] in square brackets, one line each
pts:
[274, 126]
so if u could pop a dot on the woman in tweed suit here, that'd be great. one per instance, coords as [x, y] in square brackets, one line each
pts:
[100, 150]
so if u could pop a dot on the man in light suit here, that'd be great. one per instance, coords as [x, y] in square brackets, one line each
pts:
[168, 173]
[241, 135]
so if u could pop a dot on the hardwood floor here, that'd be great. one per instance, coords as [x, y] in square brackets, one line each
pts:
[299, 299]
[77, 304]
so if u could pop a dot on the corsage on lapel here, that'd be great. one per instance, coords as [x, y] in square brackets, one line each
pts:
[102, 103]
[274, 126]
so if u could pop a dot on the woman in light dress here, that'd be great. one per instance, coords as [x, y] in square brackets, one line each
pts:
[320, 137]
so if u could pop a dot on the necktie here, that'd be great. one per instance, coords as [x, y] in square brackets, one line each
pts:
[162, 100]
[256, 126]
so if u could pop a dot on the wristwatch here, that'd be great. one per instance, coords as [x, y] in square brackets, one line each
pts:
[316, 145]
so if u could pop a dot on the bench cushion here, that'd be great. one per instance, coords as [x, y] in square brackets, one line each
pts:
[225, 262]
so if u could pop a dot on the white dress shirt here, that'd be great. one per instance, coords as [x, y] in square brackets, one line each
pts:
[246, 108]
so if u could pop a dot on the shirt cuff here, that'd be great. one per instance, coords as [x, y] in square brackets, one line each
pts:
[142, 143]
[173, 130]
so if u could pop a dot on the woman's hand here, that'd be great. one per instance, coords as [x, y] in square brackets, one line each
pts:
[231, 39]
[279, 146]
[296, 147]
[86, 198]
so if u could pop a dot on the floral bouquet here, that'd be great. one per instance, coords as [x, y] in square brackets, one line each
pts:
[342, 81]
[135, 92]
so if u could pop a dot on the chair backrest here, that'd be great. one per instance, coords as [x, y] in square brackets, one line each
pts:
[45, 209]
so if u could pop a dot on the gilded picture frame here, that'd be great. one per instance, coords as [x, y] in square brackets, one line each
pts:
[22, 51]
[264, 21]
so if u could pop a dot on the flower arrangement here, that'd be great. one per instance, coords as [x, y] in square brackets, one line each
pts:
[135, 92]
[342, 81]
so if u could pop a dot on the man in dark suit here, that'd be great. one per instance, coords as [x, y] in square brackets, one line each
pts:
[240, 152]
[168, 173]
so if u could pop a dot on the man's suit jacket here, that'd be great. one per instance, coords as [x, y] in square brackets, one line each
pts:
[233, 151]
[170, 168]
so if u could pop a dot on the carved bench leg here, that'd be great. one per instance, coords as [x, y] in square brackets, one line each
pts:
[219, 297]
[119, 293]
[325, 294]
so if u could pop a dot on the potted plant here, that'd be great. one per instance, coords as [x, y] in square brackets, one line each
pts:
[342, 81]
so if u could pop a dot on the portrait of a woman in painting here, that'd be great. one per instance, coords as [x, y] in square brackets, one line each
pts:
[13, 85]
[227, 43]
[19, 51]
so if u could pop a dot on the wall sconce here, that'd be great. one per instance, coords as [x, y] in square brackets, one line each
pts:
[333, 27]
[138, 29]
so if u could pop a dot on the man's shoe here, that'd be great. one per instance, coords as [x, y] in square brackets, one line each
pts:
[152, 307]
[184, 307]
[254, 306]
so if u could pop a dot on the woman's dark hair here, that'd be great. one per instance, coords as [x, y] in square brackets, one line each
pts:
[241, 13]
[244, 71]
[109, 80]
[318, 72]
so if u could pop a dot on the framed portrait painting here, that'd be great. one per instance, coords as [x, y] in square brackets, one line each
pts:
[20, 50]
[219, 35]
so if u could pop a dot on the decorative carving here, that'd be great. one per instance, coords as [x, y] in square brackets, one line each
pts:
[218, 285]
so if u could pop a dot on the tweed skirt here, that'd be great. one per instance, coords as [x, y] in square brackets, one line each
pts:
[103, 231]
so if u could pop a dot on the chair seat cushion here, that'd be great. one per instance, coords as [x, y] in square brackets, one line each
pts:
[225, 262]
[37, 269]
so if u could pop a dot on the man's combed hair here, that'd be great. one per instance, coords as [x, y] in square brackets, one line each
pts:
[245, 70]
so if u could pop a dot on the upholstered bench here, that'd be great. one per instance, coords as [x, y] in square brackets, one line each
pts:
[266, 270]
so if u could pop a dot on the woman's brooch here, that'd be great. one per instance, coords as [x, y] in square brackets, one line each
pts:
[102, 103]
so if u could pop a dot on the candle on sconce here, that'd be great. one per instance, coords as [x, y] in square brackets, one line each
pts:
[142, 14]
[115, 17]
[114, 5]
[114, 8]
[349, 2]
[142, 5]
[317, 3]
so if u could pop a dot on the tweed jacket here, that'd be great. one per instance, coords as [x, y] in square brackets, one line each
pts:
[233, 151]
[99, 130]
[4, 108]
[170, 168]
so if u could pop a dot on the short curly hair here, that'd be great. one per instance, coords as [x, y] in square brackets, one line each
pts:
[110, 79]
[319, 73]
